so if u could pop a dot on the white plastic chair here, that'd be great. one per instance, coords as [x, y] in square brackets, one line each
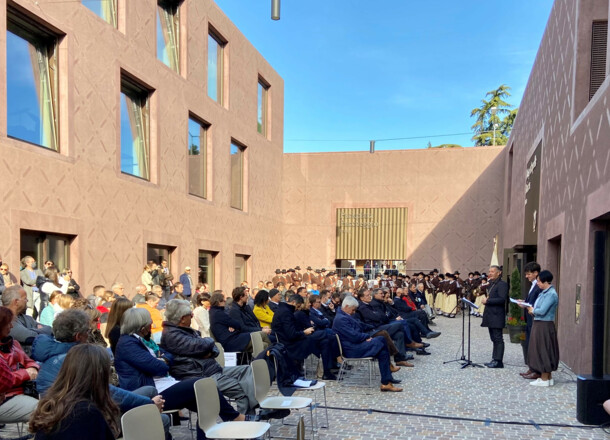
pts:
[260, 374]
[142, 423]
[257, 344]
[208, 408]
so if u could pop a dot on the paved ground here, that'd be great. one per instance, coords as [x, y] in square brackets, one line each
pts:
[438, 395]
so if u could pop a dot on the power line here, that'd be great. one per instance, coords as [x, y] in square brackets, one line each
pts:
[390, 139]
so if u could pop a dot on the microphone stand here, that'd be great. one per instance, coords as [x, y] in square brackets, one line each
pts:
[467, 362]
[462, 359]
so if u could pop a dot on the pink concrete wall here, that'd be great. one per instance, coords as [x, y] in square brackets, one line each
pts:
[81, 191]
[575, 173]
[454, 200]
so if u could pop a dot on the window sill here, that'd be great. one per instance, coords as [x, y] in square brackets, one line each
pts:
[37, 149]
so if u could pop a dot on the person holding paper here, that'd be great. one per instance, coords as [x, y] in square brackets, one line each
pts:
[495, 314]
[532, 269]
[543, 351]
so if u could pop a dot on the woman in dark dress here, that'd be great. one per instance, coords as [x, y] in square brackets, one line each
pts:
[78, 404]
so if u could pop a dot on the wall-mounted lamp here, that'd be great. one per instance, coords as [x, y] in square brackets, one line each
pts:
[275, 9]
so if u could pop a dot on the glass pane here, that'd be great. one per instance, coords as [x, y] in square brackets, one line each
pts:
[134, 148]
[240, 269]
[58, 251]
[167, 36]
[157, 253]
[30, 106]
[31, 244]
[206, 269]
[214, 50]
[105, 9]
[261, 109]
[197, 158]
[236, 177]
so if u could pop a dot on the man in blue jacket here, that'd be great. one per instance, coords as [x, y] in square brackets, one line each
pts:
[357, 344]
[71, 327]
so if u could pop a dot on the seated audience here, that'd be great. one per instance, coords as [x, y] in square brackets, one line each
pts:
[201, 314]
[356, 343]
[408, 311]
[261, 310]
[78, 404]
[227, 330]
[301, 343]
[150, 305]
[25, 329]
[95, 335]
[195, 357]
[140, 362]
[275, 297]
[95, 299]
[17, 369]
[242, 313]
[113, 326]
[58, 302]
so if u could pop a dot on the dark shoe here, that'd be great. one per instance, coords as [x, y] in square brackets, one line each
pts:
[329, 376]
[404, 364]
[422, 352]
[432, 335]
[253, 418]
[494, 364]
[527, 373]
[395, 381]
[532, 376]
[425, 344]
[267, 414]
[409, 357]
[334, 370]
[390, 387]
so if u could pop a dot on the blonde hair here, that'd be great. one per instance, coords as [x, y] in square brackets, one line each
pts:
[55, 294]
[65, 301]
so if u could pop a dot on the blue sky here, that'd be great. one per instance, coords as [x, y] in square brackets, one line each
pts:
[356, 70]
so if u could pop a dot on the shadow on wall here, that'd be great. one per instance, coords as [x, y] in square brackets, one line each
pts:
[463, 239]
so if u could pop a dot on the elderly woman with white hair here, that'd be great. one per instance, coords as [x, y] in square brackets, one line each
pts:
[195, 357]
[140, 362]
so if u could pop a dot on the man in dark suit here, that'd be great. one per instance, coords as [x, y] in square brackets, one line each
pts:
[495, 314]
[531, 269]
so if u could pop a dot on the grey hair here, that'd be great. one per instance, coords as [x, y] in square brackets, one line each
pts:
[175, 309]
[134, 319]
[116, 286]
[69, 323]
[10, 294]
[349, 301]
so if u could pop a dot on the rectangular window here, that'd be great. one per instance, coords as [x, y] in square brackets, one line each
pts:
[215, 67]
[237, 176]
[135, 129]
[599, 44]
[106, 9]
[43, 246]
[241, 273]
[32, 81]
[168, 33]
[207, 260]
[158, 253]
[263, 92]
[197, 158]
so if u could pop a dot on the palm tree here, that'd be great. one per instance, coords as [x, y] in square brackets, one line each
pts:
[502, 118]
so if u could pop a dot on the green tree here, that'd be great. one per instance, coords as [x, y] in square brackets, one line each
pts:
[503, 118]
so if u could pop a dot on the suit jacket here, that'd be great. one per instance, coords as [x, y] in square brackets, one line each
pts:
[287, 328]
[219, 326]
[353, 337]
[186, 281]
[495, 307]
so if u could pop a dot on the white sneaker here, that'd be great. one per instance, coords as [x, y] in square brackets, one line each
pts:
[552, 382]
[542, 383]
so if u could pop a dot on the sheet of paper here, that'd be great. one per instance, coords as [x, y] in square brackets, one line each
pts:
[523, 303]
[302, 383]
[230, 359]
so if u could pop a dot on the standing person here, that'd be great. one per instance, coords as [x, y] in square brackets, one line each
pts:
[6, 279]
[495, 314]
[78, 404]
[165, 279]
[531, 269]
[29, 274]
[187, 282]
[543, 352]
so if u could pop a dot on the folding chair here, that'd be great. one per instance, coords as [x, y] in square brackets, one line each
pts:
[208, 409]
[369, 361]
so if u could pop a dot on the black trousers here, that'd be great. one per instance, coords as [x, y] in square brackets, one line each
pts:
[495, 334]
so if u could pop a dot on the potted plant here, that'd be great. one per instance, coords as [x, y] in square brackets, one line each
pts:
[516, 322]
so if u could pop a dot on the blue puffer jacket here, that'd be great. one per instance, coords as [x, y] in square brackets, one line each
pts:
[50, 354]
[135, 365]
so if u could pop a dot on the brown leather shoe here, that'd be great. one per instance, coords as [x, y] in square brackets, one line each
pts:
[394, 368]
[527, 373]
[414, 344]
[534, 375]
[405, 364]
[390, 387]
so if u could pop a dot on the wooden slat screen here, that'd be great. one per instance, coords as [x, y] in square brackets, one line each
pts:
[371, 233]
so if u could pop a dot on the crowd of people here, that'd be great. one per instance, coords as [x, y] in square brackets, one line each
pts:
[150, 344]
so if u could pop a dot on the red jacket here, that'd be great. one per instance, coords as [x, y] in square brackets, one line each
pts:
[17, 361]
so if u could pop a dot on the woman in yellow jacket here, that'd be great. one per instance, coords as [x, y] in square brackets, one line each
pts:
[261, 308]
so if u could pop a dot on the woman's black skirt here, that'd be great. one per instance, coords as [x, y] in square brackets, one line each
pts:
[543, 352]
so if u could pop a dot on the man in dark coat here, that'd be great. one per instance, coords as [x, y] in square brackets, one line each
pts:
[241, 312]
[225, 329]
[275, 296]
[301, 343]
[494, 317]
[531, 269]
[356, 343]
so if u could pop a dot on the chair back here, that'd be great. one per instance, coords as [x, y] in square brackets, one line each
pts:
[221, 355]
[260, 375]
[208, 405]
[142, 423]
[339, 344]
[257, 344]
